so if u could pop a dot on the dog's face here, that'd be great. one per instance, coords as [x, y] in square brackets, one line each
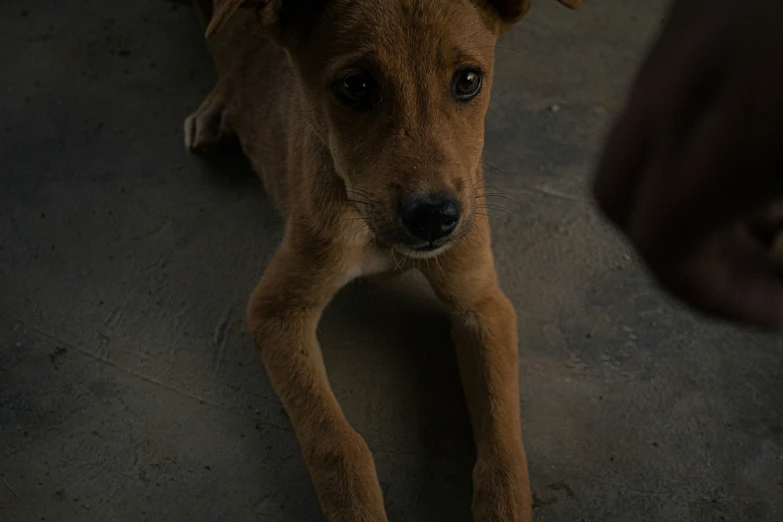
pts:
[398, 90]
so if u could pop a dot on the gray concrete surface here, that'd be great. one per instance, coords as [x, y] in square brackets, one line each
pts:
[129, 390]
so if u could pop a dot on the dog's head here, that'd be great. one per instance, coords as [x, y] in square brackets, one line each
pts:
[398, 91]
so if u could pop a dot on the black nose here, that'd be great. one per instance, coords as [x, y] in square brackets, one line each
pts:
[430, 217]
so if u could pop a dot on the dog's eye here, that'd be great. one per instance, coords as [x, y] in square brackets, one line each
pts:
[358, 91]
[466, 83]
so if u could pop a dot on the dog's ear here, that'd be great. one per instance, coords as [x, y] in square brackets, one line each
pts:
[280, 18]
[512, 11]
[222, 11]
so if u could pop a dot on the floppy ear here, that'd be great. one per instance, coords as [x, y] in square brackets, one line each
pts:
[225, 9]
[512, 11]
[282, 19]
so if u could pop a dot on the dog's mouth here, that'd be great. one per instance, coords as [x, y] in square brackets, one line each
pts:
[414, 249]
[398, 241]
[428, 247]
[423, 251]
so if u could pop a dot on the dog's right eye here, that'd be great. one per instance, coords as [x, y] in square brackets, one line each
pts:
[357, 91]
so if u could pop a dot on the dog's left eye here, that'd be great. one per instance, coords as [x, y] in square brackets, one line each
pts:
[357, 91]
[466, 83]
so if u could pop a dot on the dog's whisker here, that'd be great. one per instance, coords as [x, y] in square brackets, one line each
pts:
[494, 168]
[500, 125]
[394, 258]
[473, 235]
[487, 176]
[489, 190]
[357, 192]
[440, 266]
[356, 189]
[498, 207]
[512, 50]
[359, 197]
[494, 206]
[493, 195]
[493, 98]
[360, 230]
[485, 186]
[491, 217]
[484, 178]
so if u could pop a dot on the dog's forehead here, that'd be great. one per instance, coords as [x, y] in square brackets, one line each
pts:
[393, 30]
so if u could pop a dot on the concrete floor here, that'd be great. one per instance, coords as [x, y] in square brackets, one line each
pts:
[130, 391]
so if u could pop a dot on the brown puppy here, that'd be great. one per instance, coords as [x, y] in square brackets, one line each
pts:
[365, 121]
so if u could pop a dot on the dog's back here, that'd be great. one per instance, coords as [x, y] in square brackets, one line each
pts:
[260, 96]
[255, 97]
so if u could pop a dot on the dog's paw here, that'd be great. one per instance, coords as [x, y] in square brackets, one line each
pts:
[204, 129]
[344, 475]
[501, 493]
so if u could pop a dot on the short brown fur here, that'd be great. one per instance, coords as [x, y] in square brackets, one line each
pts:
[339, 177]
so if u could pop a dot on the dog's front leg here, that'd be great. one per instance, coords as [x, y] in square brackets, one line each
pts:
[282, 316]
[484, 330]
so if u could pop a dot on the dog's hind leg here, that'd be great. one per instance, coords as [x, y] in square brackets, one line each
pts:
[205, 128]
[282, 316]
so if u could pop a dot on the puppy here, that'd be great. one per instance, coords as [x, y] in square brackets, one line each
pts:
[365, 121]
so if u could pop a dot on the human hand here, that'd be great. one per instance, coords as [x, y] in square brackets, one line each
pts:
[693, 164]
